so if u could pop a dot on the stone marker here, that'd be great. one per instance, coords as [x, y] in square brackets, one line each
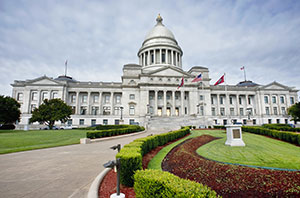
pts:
[234, 135]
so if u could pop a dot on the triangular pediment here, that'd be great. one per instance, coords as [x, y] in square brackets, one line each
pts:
[169, 72]
[275, 86]
[44, 80]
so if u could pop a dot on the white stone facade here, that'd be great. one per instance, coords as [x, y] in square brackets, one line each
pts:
[149, 95]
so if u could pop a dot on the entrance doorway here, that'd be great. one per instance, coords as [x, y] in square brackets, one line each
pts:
[159, 111]
[177, 111]
[168, 111]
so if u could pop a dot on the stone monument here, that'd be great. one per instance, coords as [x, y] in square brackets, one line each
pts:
[234, 135]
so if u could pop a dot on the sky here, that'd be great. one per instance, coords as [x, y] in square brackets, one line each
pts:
[98, 37]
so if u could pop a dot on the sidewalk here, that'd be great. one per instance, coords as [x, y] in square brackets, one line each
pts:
[66, 171]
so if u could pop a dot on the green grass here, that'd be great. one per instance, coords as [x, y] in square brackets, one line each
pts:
[259, 151]
[14, 140]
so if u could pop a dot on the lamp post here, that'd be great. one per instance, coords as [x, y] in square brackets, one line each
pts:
[121, 118]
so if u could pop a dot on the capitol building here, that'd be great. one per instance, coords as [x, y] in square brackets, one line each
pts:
[150, 94]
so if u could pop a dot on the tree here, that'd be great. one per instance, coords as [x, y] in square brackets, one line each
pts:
[9, 110]
[294, 111]
[51, 111]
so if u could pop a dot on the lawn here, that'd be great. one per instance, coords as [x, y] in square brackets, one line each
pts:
[14, 140]
[259, 151]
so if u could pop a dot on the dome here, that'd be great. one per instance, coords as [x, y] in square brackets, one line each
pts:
[65, 78]
[247, 83]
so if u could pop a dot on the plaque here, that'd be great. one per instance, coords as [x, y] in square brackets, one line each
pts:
[236, 133]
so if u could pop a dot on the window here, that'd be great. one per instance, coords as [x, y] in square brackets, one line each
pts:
[34, 96]
[281, 99]
[82, 110]
[212, 100]
[131, 121]
[286, 121]
[118, 99]
[221, 100]
[131, 96]
[20, 96]
[96, 99]
[240, 100]
[241, 111]
[105, 122]
[73, 110]
[267, 111]
[216, 121]
[95, 110]
[81, 121]
[213, 111]
[230, 100]
[283, 111]
[117, 122]
[152, 57]
[274, 99]
[201, 110]
[269, 121]
[73, 98]
[278, 121]
[244, 121]
[106, 110]
[32, 107]
[176, 97]
[54, 95]
[84, 99]
[266, 99]
[116, 110]
[168, 97]
[70, 122]
[150, 97]
[131, 110]
[201, 97]
[107, 98]
[249, 100]
[254, 121]
[232, 111]
[224, 122]
[275, 111]
[292, 100]
[93, 122]
[44, 96]
[159, 97]
[222, 111]
[163, 56]
[185, 110]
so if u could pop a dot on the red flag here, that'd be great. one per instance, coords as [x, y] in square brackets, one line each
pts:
[242, 68]
[181, 84]
[221, 80]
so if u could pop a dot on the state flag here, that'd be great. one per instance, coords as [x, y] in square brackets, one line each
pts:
[181, 84]
[221, 80]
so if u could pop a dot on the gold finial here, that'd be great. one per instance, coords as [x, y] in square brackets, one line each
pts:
[159, 19]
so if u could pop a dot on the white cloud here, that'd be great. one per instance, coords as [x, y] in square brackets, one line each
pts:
[99, 37]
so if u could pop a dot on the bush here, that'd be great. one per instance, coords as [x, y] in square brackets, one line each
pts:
[290, 137]
[281, 127]
[132, 153]
[7, 126]
[219, 127]
[114, 132]
[156, 183]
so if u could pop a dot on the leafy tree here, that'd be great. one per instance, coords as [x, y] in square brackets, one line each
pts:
[9, 110]
[51, 111]
[294, 111]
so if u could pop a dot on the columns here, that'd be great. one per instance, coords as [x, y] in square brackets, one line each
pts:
[100, 103]
[88, 103]
[237, 104]
[218, 105]
[167, 57]
[155, 102]
[160, 56]
[154, 56]
[182, 102]
[77, 108]
[173, 103]
[172, 57]
[112, 103]
[148, 57]
[164, 110]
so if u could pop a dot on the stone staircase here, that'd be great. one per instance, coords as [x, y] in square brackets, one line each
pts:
[174, 122]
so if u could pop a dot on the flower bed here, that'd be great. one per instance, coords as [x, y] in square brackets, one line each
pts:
[229, 180]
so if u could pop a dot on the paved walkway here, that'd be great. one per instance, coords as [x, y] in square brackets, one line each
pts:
[66, 171]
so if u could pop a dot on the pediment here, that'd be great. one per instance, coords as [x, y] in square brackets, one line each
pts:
[44, 80]
[275, 86]
[169, 71]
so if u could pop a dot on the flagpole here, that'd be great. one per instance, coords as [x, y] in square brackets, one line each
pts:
[66, 63]
[245, 73]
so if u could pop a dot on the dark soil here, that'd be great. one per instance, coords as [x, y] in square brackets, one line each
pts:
[229, 180]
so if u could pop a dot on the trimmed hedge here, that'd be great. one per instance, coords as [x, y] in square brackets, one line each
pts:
[131, 155]
[156, 183]
[290, 137]
[219, 127]
[281, 127]
[125, 129]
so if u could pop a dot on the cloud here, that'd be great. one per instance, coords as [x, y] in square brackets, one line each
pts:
[99, 37]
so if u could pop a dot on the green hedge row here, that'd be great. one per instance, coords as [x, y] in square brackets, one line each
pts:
[131, 154]
[281, 127]
[105, 127]
[156, 183]
[219, 127]
[290, 137]
[113, 132]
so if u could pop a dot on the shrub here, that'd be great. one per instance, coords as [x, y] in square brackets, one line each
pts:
[113, 132]
[281, 127]
[219, 127]
[132, 153]
[156, 183]
[281, 135]
[7, 126]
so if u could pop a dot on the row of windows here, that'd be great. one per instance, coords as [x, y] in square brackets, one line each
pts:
[222, 100]
[275, 111]
[34, 96]
[232, 111]
[106, 110]
[281, 98]
[104, 122]
[84, 98]
[270, 121]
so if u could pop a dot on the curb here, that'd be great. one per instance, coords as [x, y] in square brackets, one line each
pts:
[93, 191]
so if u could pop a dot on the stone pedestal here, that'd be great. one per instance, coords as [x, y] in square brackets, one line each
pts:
[117, 196]
[121, 122]
[85, 141]
[234, 135]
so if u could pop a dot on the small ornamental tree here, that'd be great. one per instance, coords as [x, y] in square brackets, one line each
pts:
[9, 110]
[51, 111]
[294, 111]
